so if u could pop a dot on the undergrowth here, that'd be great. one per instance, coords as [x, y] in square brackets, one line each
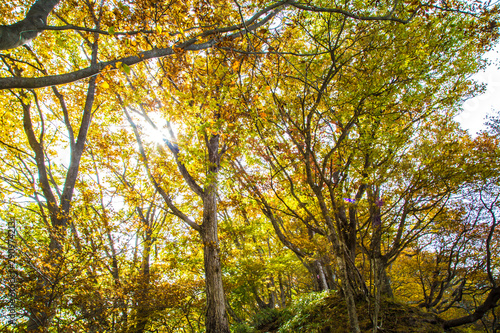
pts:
[325, 312]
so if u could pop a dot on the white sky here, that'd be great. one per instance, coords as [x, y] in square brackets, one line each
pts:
[476, 109]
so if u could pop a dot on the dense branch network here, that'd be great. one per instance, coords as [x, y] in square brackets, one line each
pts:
[24, 31]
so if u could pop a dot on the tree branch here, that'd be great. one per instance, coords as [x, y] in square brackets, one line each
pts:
[22, 32]
[191, 44]
[489, 303]
[387, 17]
[176, 211]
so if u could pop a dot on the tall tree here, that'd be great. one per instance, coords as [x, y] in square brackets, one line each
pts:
[346, 114]
[209, 112]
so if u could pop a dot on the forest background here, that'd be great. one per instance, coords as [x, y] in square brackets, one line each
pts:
[183, 166]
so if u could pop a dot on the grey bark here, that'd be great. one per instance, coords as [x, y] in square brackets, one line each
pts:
[321, 276]
[216, 320]
[22, 32]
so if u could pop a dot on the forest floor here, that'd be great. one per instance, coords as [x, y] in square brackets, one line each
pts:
[328, 315]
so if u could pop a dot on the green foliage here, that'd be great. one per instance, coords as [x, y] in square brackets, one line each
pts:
[243, 328]
[266, 318]
[307, 314]
[326, 312]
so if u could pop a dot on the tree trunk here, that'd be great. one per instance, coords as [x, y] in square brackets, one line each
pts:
[283, 300]
[143, 303]
[216, 318]
[320, 276]
[349, 296]
[385, 281]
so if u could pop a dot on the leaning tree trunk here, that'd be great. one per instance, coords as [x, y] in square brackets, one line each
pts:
[43, 307]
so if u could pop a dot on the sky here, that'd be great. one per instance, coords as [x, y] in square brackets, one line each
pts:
[476, 109]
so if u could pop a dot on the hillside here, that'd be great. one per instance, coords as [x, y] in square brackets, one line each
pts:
[325, 313]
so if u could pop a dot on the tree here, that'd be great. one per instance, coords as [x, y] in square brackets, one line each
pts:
[342, 126]
[54, 202]
[211, 116]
